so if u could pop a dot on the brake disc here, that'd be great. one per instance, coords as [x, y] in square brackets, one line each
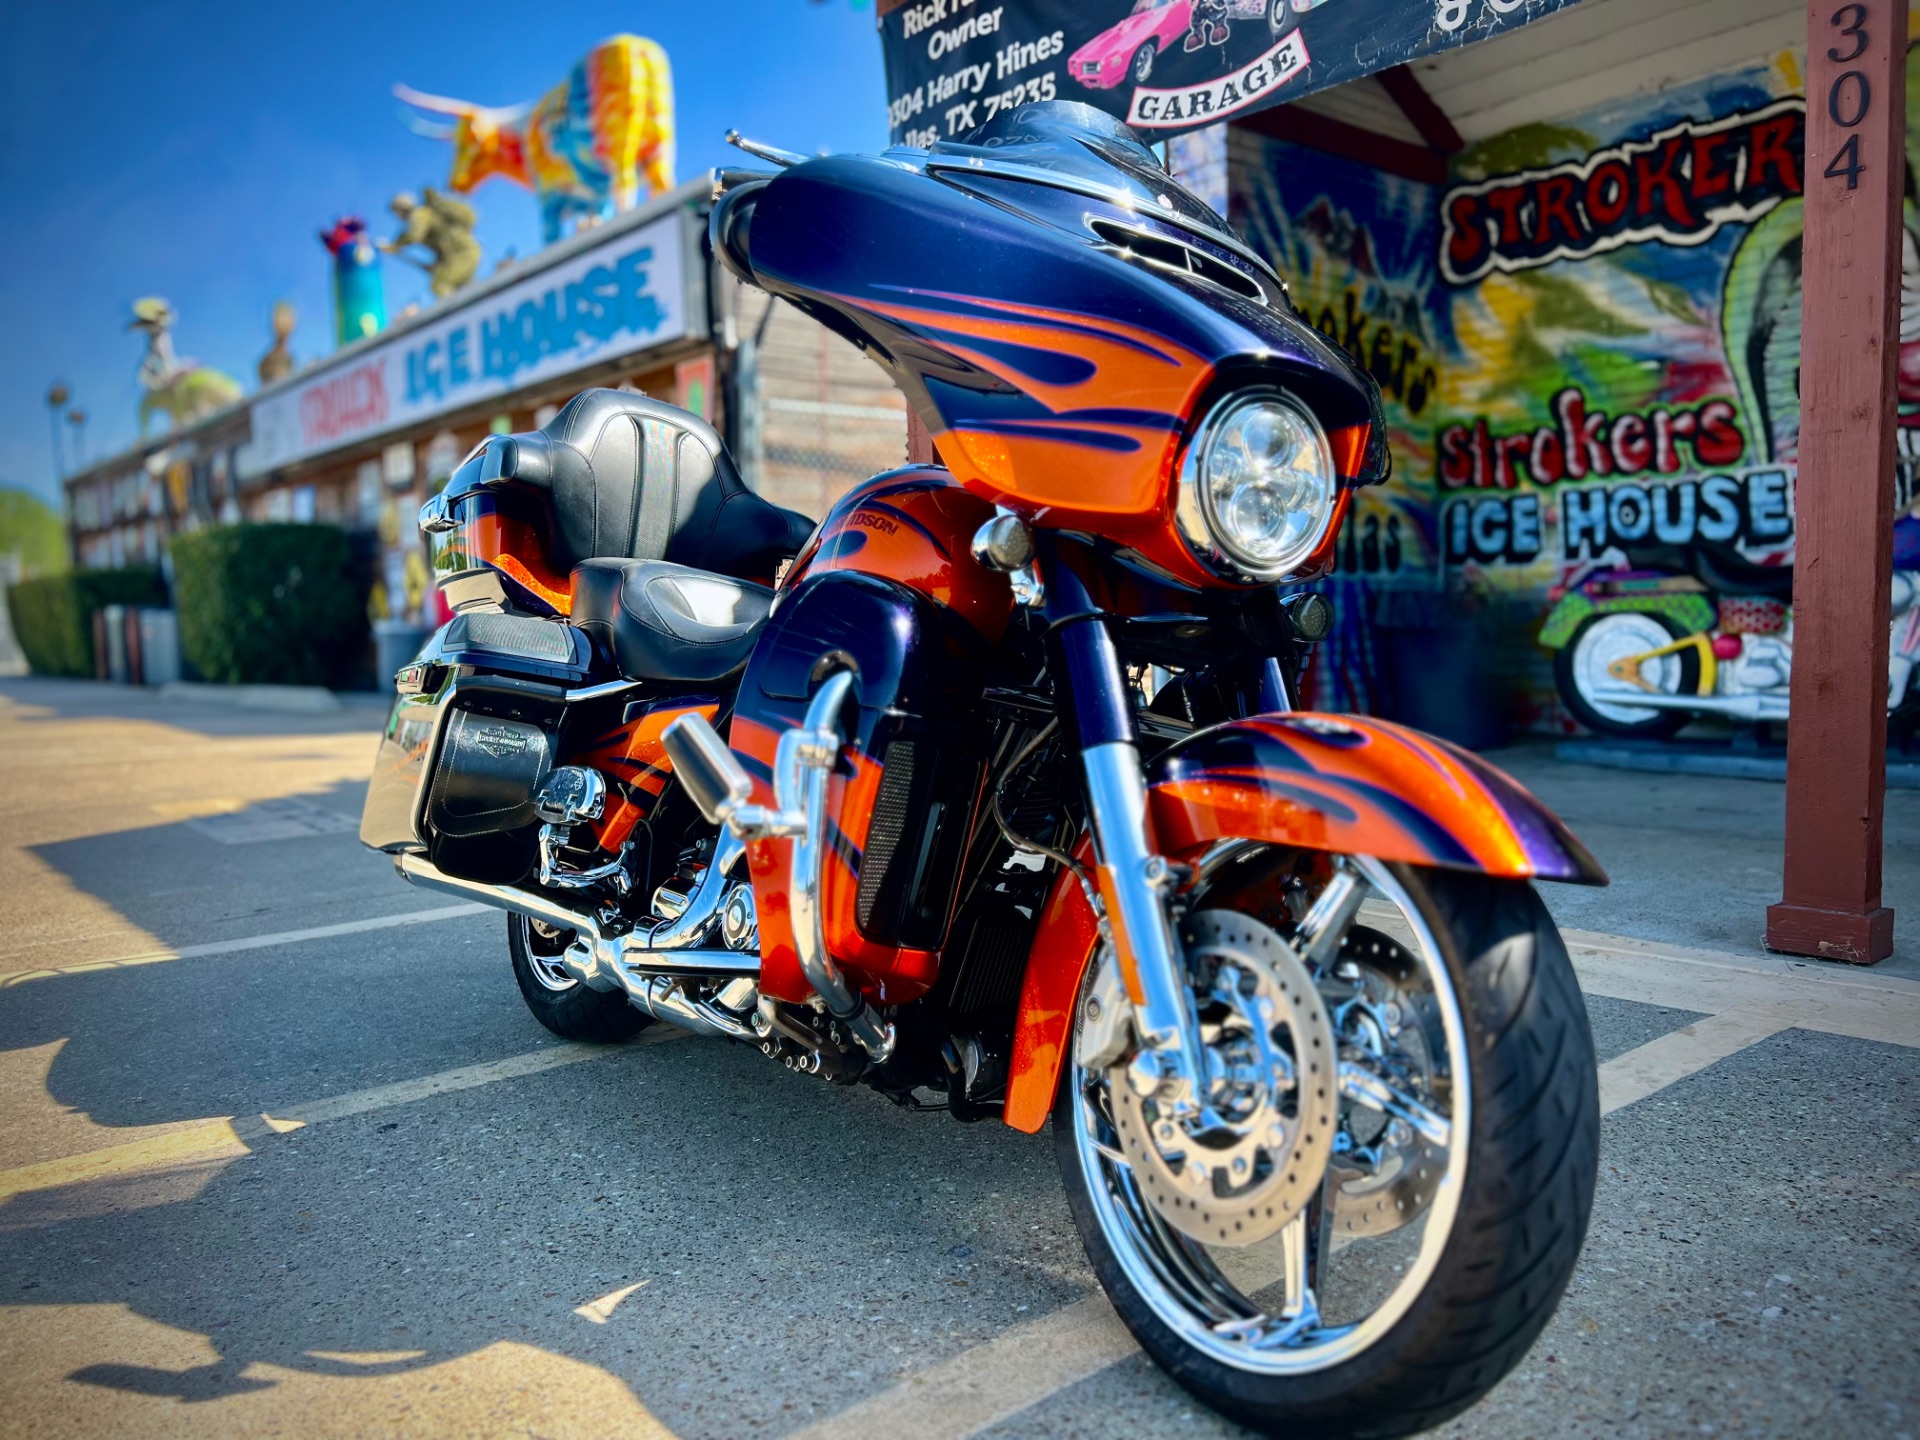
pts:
[1379, 1187]
[1252, 1157]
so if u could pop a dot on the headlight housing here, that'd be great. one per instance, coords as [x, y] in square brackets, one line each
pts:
[1257, 486]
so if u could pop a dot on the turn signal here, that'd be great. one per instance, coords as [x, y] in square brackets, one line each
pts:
[1310, 616]
[1004, 543]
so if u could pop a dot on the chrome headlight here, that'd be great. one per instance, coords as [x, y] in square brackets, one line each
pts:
[1257, 486]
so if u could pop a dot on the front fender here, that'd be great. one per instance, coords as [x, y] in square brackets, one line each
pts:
[1341, 783]
[1357, 786]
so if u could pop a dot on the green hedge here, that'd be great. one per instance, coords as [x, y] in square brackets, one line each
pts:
[53, 615]
[271, 605]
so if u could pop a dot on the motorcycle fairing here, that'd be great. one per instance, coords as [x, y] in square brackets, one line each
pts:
[1077, 360]
[914, 526]
[1340, 783]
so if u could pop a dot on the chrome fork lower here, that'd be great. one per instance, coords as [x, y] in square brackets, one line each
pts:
[1168, 1065]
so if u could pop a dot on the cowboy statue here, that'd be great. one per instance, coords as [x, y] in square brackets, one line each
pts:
[442, 226]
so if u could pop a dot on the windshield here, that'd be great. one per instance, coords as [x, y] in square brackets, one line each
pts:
[1089, 145]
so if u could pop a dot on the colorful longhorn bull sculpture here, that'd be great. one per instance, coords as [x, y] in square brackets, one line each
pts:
[584, 148]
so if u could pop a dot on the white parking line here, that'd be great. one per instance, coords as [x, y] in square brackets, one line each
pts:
[987, 1384]
[228, 1136]
[251, 942]
[1833, 999]
[1687, 1051]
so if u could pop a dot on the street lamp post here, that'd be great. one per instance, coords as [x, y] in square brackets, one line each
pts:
[57, 397]
[77, 418]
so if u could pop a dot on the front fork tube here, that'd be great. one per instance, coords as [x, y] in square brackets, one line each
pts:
[1133, 875]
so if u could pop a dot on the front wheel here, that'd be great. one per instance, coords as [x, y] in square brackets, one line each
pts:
[1142, 65]
[1399, 1280]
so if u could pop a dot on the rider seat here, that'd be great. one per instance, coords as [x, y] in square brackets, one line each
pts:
[637, 479]
[661, 621]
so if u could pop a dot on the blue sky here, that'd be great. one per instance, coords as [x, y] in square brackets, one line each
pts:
[195, 152]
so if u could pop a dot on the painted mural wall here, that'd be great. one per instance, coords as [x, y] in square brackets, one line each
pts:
[1589, 346]
[1356, 247]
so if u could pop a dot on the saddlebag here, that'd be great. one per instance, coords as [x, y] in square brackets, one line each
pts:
[471, 737]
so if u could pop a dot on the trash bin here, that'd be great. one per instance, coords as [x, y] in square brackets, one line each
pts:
[112, 658]
[395, 642]
[159, 632]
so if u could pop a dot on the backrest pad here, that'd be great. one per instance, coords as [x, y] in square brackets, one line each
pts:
[639, 479]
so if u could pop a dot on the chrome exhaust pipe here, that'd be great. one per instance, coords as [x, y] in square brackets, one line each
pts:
[652, 977]
[678, 936]
[418, 870]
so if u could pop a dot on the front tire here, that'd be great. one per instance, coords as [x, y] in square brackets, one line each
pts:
[1141, 66]
[558, 1001]
[1511, 1224]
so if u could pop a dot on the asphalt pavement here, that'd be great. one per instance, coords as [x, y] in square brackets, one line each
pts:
[281, 1152]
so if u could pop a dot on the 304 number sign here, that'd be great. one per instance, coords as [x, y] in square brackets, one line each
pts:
[1850, 96]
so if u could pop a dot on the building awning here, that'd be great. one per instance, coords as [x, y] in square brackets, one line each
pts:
[629, 286]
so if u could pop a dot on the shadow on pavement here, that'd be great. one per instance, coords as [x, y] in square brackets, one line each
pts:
[237, 1033]
[48, 698]
[803, 1245]
[228, 868]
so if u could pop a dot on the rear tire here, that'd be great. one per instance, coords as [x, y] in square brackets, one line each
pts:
[1533, 1145]
[566, 1007]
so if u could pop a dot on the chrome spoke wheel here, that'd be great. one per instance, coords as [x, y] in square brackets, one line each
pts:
[546, 944]
[1354, 1242]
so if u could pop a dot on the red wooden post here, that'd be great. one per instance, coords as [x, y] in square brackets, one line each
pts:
[920, 449]
[1843, 505]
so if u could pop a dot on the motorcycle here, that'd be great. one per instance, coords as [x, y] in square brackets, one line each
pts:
[989, 791]
[1662, 635]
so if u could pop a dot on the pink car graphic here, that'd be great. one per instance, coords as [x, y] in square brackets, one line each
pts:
[1125, 53]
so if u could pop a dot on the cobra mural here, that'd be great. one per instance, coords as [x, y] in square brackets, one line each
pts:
[1589, 345]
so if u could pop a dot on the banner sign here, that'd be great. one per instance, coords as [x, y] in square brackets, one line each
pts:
[1679, 187]
[1163, 66]
[624, 294]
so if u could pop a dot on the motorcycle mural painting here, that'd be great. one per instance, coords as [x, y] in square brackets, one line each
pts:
[992, 791]
[1589, 348]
